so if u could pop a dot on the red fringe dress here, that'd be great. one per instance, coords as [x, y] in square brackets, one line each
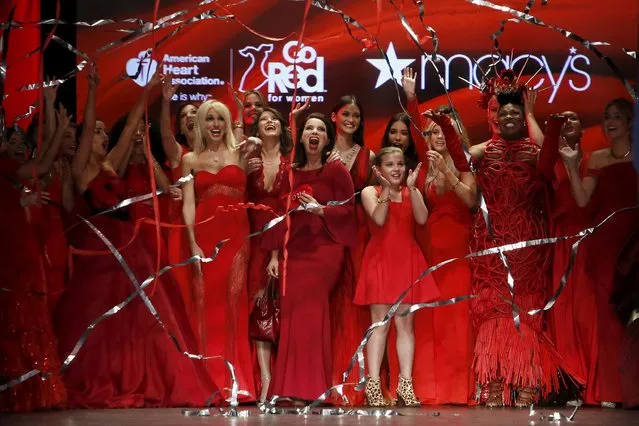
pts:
[26, 337]
[511, 178]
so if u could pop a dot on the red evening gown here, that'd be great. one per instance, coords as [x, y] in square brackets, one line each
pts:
[316, 253]
[571, 318]
[258, 194]
[128, 360]
[350, 321]
[616, 189]
[392, 260]
[26, 337]
[225, 304]
[509, 175]
[448, 229]
[178, 248]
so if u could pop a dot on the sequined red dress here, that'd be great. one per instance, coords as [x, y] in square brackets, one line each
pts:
[510, 177]
[128, 360]
[616, 189]
[26, 337]
[571, 319]
[316, 253]
[348, 320]
[226, 304]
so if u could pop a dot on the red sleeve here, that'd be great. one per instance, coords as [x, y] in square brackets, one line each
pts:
[550, 148]
[454, 144]
[340, 219]
[418, 135]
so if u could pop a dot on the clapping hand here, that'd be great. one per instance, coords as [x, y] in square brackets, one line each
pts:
[380, 178]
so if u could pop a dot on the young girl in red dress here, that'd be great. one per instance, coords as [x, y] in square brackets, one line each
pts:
[392, 261]
[608, 185]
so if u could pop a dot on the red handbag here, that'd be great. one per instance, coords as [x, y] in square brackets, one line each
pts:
[264, 320]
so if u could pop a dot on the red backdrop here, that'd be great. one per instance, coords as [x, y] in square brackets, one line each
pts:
[222, 52]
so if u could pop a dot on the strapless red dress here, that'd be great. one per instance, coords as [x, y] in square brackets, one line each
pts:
[226, 305]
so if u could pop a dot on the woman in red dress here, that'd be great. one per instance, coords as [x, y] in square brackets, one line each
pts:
[450, 195]
[609, 184]
[316, 248]
[219, 287]
[349, 321]
[571, 320]
[26, 336]
[510, 172]
[266, 174]
[175, 146]
[392, 261]
[128, 360]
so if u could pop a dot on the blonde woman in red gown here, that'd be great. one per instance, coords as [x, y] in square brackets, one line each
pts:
[609, 184]
[175, 146]
[266, 175]
[219, 287]
[349, 321]
[128, 360]
[316, 255]
[571, 318]
[391, 262]
[450, 195]
[26, 336]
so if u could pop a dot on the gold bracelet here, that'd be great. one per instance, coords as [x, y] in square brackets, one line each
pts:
[156, 166]
[238, 125]
[380, 201]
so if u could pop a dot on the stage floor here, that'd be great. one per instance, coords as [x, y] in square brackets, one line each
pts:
[459, 416]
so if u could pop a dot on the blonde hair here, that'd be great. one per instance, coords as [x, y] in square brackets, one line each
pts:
[434, 174]
[201, 136]
[386, 151]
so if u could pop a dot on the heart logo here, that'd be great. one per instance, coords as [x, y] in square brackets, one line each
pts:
[141, 69]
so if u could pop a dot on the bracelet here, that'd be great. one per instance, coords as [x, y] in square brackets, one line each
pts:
[414, 188]
[156, 166]
[238, 125]
[380, 201]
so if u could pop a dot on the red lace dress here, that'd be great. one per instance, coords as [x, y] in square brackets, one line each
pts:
[448, 230]
[316, 254]
[26, 336]
[225, 304]
[510, 178]
[348, 320]
[128, 360]
[571, 319]
[616, 189]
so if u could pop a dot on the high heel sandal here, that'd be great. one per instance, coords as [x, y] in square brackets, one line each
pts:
[374, 395]
[266, 382]
[406, 394]
[495, 394]
[525, 397]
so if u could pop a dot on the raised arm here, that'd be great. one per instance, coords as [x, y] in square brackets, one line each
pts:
[119, 152]
[412, 106]
[453, 141]
[81, 158]
[420, 212]
[549, 153]
[582, 189]
[377, 207]
[170, 145]
[534, 131]
[50, 94]
[44, 164]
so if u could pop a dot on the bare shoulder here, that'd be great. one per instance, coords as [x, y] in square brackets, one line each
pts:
[598, 159]
[477, 151]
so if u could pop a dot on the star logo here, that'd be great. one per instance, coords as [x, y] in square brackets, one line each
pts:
[385, 72]
[573, 50]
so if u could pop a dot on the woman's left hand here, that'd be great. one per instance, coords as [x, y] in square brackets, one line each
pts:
[308, 199]
[412, 176]
[436, 160]
[530, 98]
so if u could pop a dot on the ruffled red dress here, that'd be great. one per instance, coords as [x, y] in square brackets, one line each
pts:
[26, 337]
[316, 254]
[224, 321]
[128, 360]
[393, 260]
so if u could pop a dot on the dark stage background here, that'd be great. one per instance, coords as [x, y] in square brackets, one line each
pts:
[204, 56]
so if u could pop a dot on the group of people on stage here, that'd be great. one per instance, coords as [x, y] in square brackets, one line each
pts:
[366, 226]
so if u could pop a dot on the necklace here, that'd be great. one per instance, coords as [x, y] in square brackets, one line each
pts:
[613, 155]
[349, 156]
